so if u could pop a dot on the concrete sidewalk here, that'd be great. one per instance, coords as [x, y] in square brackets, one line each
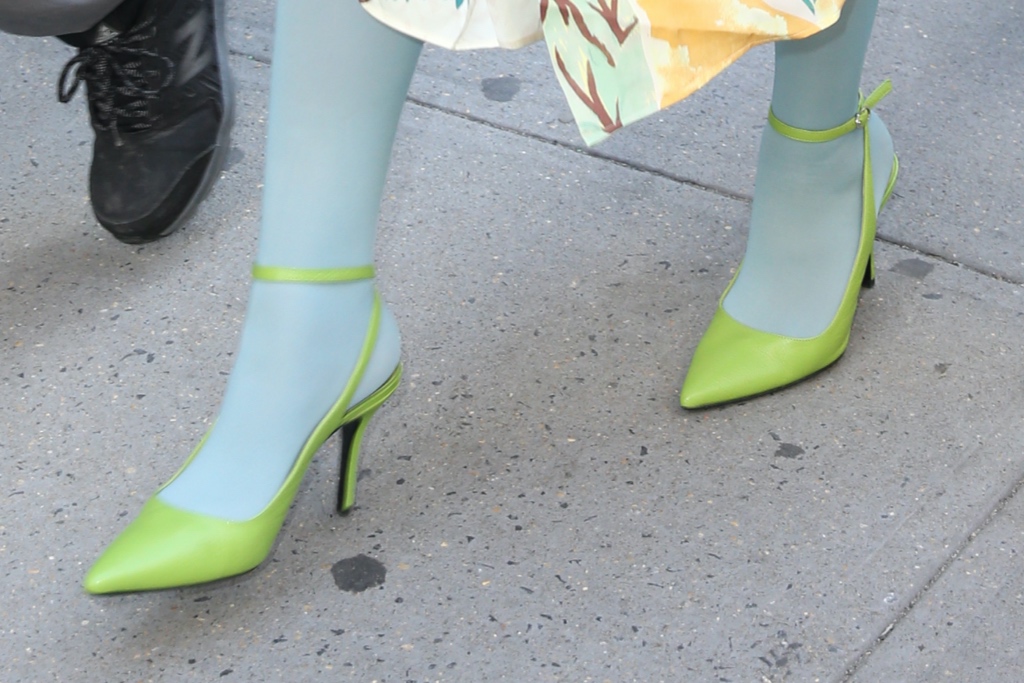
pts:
[542, 507]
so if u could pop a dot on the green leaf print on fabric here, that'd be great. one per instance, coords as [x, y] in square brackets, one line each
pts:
[805, 9]
[600, 62]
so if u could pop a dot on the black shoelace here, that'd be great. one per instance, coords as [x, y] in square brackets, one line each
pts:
[119, 89]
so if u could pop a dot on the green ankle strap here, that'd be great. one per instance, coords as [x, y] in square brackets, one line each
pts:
[859, 119]
[279, 274]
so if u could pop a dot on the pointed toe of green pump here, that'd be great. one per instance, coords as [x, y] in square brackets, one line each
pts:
[734, 361]
[165, 547]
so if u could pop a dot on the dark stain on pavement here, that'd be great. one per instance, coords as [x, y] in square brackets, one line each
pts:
[788, 450]
[501, 89]
[914, 267]
[359, 573]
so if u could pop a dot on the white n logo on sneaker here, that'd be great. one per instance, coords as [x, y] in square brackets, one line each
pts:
[198, 54]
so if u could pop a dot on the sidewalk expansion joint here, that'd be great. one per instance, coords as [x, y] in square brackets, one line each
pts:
[921, 251]
[916, 598]
[561, 144]
[249, 56]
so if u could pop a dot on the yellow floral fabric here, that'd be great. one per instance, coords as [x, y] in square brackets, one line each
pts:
[617, 60]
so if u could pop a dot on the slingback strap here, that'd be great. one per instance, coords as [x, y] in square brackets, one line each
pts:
[325, 275]
[859, 120]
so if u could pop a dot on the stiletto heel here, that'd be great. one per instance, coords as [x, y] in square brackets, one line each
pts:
[352, 437]
[734, 361]
[869, 273]
[166, 547]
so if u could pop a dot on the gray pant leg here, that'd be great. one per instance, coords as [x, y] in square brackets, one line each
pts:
[52, 17]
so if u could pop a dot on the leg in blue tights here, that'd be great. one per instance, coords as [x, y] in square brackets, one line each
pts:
[789, 312]
[806, 218]
[338, 83]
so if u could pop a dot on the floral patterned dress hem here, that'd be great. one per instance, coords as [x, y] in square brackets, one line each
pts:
[617, 61]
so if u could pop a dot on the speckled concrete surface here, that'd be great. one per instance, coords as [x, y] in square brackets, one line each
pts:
[534, 504]
[966, 627]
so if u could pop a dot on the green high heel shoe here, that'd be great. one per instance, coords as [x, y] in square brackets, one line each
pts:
[734, 361]
[166, 547]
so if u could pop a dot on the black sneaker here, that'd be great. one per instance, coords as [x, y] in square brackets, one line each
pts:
[161, 103]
